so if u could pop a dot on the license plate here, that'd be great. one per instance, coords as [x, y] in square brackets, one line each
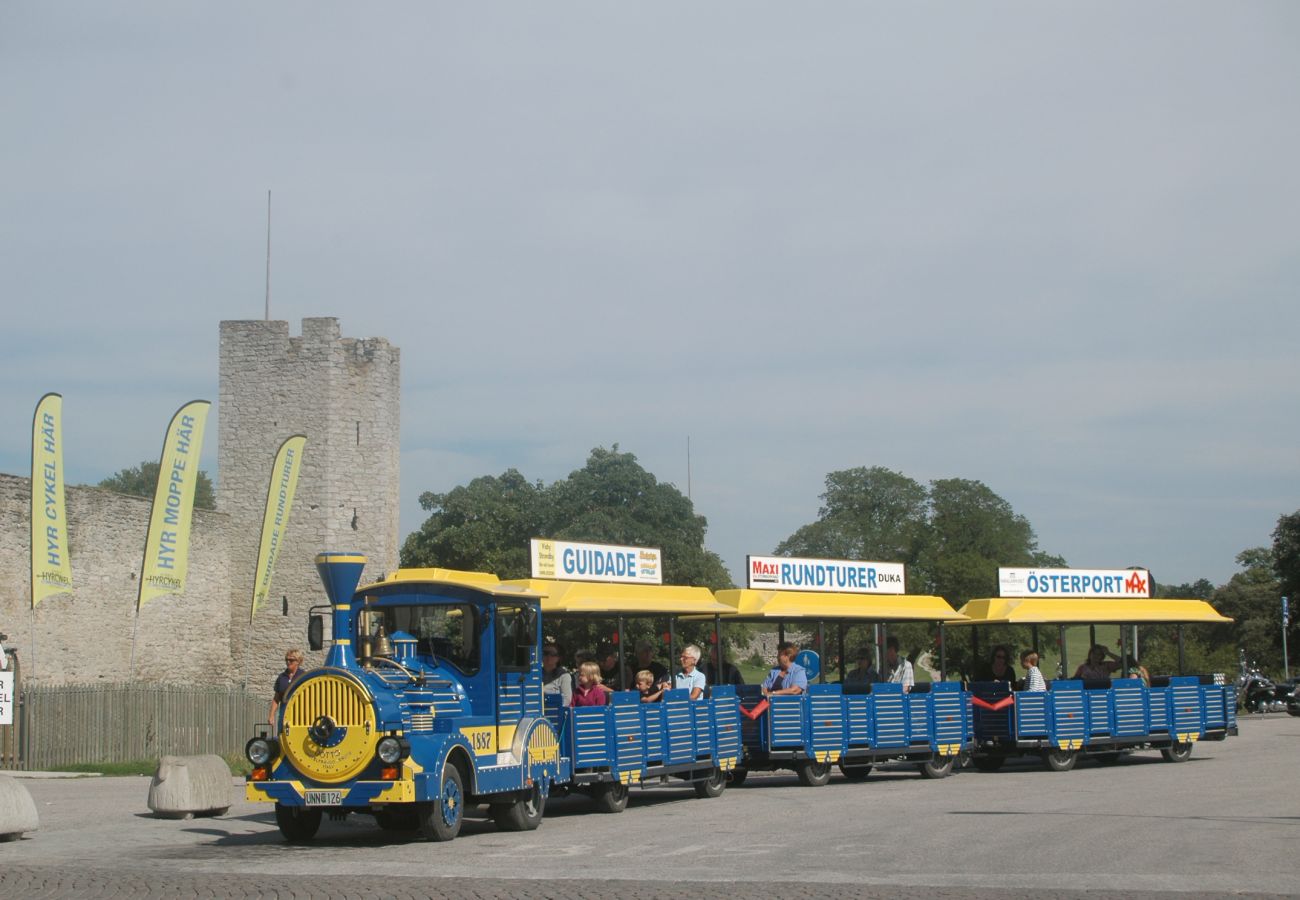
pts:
[324, 798]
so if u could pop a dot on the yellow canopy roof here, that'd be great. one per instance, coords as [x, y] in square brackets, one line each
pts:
[749, 603]
[1100, 611]
[479, 581]
[621, 599]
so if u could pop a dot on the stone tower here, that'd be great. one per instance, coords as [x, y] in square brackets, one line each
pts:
[343, 394]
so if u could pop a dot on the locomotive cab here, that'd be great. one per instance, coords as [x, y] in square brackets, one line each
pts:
[429, 699]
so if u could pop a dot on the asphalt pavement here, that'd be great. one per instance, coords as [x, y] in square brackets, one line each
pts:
[1227, 822]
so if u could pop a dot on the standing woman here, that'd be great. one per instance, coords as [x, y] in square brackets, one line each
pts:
[292, 669]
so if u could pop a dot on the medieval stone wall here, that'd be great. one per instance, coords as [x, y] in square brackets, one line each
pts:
[85, 637]
[343, 394]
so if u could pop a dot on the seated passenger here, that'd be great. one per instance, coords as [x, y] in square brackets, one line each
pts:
[730, 674]
[865, 673]
[1137, 670]
[1000, 668]
[1033, 678]
[689, 678]
[1097, 666]
[555, 678]
[588, 692]
[645, 659]
[645, 685]
[787, 677]
[898, 669]
[611, 675]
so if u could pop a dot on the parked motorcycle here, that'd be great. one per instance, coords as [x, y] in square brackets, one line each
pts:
[1259, 694]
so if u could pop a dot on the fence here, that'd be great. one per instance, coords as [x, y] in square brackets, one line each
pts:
[63, 726]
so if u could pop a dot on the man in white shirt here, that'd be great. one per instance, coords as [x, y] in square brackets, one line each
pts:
[897, 669]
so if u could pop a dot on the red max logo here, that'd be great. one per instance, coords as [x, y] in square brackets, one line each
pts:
[1135, 584]
[761, 568]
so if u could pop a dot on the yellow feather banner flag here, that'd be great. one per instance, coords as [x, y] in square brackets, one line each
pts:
[51, 566]
[275, 520]
[167, 547]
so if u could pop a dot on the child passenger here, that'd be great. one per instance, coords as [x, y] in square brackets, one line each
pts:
[587, 691]
[645, 683]
[1033, 678]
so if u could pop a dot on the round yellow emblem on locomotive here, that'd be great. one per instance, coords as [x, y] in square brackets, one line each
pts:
[329, 728]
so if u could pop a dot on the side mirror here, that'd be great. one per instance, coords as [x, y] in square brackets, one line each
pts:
[316, 633]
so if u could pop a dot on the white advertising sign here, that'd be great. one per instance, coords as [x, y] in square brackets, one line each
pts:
[785, 573]
[569, 561]
[7, 698]
[1135, 583]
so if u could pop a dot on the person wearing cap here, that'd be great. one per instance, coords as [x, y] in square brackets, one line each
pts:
[607, 659]
[865, 672]
[645, 661]
[292, 669]
[898, 669]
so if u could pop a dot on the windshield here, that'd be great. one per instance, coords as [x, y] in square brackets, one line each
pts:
[446, 631]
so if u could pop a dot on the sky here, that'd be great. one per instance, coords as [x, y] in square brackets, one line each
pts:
[1051, 247]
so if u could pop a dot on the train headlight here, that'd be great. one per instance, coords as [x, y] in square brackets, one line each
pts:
[392, 749]
[261, 750]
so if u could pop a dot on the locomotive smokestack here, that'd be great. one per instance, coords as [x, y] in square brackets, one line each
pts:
[340, 573]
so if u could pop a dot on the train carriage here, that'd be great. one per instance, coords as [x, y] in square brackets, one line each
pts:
[853, 726]
[1097, 718]
[628, 743]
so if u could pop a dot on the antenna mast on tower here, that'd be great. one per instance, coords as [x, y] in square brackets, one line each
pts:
[268, 255]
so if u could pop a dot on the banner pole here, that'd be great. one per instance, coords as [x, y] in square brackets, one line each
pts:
[135, 629]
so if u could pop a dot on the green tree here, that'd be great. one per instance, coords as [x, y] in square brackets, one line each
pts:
[482, 526]
[1252, 598]
[1286, 555]
[952, 535]
[141, 481]
[612, 499]
[486, 526]
[866, 513]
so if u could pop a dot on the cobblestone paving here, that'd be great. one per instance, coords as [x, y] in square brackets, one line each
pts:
[37, 882]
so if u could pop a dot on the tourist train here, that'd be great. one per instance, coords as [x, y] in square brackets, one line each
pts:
[430, 701]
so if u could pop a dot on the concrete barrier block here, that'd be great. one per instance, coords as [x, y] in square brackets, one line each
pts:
[186, 786]
[17, 811]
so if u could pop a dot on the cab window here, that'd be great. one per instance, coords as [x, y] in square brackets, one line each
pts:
[514, 638]
[448, 632]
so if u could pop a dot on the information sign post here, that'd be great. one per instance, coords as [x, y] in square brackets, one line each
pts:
[1286, 620]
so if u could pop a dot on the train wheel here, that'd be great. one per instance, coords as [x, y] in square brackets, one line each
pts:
[937, 766]
[610, 797]
[713, 786]
[441, 819]
[988, 763]
[1060, 760]
[813, 774]
[297, 823]
[1179, 752]
[520, 815]
[738, 776]
[855, 771]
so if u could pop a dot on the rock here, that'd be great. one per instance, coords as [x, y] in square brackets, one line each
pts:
[186, 786]
[17, 811]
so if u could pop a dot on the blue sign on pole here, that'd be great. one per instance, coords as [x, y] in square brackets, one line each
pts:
[1286, 612]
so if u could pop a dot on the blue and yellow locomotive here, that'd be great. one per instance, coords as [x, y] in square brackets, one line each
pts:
[431, 699]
